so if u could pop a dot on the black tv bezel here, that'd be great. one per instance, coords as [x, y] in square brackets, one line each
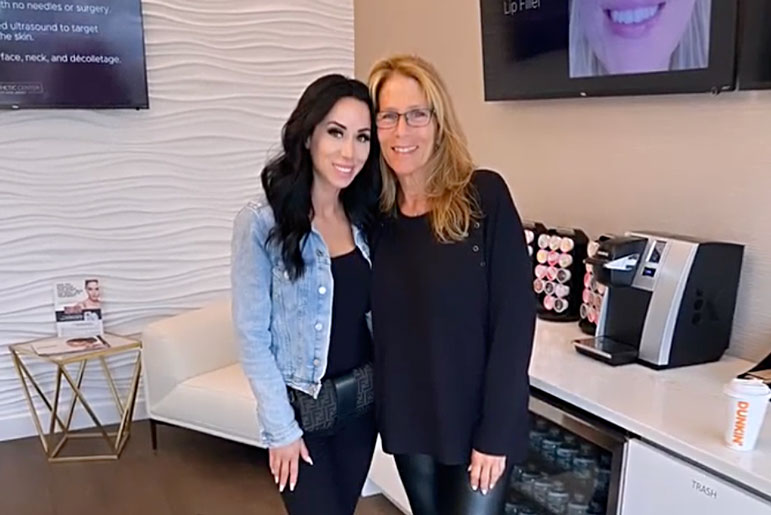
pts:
[720, 76]
[743, 82]
[98, 107]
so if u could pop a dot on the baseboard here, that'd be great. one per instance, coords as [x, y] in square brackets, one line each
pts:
[22, 426]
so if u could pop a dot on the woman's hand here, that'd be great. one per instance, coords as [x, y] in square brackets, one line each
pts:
[485, 470]
[285, 463]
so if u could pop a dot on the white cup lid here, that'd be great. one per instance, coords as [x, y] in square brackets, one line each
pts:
[747, 387]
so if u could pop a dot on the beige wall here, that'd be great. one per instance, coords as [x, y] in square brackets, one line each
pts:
[691, 164]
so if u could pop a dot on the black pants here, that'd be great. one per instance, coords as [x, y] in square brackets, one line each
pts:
[332, 486]
[436, 489]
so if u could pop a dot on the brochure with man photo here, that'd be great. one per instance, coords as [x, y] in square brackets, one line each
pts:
[78, 308]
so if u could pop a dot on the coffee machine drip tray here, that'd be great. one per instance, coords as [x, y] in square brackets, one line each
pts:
[606, 349]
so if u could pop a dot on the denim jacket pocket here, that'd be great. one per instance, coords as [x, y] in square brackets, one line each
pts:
[284, 290]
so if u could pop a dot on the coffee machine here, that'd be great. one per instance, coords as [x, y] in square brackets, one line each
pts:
[669, 302]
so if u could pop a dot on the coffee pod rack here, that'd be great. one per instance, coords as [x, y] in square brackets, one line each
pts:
[592, 294]
[558, 269]
[533, 231]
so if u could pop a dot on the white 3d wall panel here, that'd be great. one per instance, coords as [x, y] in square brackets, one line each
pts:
[144, 200]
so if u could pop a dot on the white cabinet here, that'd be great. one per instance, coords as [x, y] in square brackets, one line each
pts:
[656, 483]
[384, 474]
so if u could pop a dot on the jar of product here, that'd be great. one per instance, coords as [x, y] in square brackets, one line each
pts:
[578, 505]
[584, 467]
[516, 475]
[597, 506]
[557, 499]
[536, 438]
[549, 449]
[528, 482]
[541, 489]
[566, 453]
[602, 480]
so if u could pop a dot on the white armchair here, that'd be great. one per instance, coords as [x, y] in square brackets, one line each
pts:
[193, 378]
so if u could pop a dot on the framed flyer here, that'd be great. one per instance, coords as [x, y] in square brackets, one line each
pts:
[78, 307]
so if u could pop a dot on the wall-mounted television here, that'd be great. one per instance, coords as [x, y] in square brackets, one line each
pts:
[569, 48]
[72, 54]
[755, 45]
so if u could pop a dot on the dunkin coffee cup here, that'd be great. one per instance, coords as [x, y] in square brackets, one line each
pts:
[748, 401]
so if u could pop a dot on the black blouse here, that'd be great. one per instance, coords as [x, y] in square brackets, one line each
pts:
[453, 326]
[350, 344]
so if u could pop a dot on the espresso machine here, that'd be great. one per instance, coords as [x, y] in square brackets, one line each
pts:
[669, 301]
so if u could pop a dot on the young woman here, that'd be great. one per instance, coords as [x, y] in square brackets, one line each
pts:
[301, 287]
[452, 305]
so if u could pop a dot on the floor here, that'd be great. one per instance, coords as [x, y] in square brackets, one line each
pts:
[191, 474]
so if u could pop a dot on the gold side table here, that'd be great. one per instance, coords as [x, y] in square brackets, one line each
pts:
[59, 433]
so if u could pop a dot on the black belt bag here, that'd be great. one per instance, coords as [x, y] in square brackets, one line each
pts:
[340, 399]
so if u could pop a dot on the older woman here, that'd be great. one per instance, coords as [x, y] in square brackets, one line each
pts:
[452, 306]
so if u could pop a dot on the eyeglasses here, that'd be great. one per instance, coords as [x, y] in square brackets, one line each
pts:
[414, 117]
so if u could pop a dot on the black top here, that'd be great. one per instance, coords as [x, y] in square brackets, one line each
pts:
[350, 344]
[453, 327]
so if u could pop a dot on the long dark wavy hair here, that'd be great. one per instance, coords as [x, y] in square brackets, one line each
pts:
[287, 178]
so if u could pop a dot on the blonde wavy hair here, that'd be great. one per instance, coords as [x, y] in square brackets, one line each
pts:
[452, 200]
[692, 51]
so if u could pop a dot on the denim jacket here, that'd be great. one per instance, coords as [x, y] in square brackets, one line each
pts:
[282, 327]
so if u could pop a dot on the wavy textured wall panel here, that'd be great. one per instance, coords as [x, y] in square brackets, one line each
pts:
[145, 199]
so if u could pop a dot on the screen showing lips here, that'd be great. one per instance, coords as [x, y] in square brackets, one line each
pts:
[536, 49]
[615, 37]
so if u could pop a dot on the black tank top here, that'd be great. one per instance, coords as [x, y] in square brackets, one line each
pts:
[350, 343]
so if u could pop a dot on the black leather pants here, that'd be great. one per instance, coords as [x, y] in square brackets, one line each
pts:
[436, 489]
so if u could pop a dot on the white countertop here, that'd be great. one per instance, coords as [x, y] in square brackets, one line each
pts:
[682, 409]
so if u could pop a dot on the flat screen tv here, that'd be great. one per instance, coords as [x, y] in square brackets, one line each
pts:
[72, 54]
[755, 45]
[568, 48]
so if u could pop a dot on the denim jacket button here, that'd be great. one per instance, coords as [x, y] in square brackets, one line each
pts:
[475, 248]
[322, 290]
[318, 326]
[316, 362]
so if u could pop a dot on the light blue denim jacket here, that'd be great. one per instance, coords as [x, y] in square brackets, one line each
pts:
[282, 327]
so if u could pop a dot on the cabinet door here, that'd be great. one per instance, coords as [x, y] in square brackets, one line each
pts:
[657, 483]
[572, 466]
